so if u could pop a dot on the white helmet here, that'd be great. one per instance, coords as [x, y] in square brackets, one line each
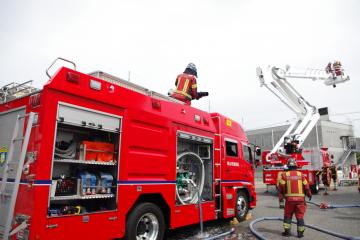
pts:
[291, 162]
[192, 68]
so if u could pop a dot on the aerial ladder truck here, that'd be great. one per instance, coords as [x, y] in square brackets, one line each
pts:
[289, 145]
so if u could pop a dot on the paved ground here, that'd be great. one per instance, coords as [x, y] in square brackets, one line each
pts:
[345, 221]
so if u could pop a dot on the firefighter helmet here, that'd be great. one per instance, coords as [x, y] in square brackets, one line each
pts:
[291, 163]
[337, 63]
[191, 67]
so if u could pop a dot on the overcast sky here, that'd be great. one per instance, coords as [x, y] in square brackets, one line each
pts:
[227, 40]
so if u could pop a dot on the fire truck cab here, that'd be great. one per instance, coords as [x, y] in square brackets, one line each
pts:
[92, 156]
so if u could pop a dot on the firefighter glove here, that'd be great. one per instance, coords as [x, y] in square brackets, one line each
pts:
[281, 197]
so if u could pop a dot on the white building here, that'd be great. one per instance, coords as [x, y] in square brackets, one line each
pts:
[337, 137]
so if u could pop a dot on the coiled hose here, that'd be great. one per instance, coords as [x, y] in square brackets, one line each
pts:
[191, 159]
[261, 237]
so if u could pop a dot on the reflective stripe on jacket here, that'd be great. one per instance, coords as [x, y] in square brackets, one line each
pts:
[186, 85]
[293, 185]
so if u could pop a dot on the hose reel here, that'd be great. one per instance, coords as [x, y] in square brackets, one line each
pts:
[190, 176]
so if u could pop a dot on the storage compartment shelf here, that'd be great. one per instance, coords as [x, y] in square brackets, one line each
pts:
[84, 197]
[91, 162]
[85, 162]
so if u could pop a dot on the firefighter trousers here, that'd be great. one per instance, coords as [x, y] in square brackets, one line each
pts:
[298, 208]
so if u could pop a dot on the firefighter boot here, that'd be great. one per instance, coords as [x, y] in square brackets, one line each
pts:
[286, 233]
[300, 228]
[287, 227]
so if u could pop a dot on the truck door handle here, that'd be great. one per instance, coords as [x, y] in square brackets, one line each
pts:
[52, 226]
[112, 218]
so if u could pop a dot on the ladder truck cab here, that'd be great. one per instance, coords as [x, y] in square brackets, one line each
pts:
[91, 156]
[309, 161]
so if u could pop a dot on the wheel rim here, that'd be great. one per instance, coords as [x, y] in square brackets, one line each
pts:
[147, 227]
[241, 206]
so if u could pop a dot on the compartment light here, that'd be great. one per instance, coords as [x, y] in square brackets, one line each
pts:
[72, 77]
[96, 85]
[206, 121]
[156, 104]
[197, 118]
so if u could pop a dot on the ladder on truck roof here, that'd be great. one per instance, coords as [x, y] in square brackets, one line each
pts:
[11, 172]
[119, 82]
[15, 90]
[132, 86]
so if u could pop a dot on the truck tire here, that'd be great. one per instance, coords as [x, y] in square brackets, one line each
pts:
[315, 187]
[146, 222]
[242, 206]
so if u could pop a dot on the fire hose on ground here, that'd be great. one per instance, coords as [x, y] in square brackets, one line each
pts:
[330, 206]
[322, 206]
[261, 237]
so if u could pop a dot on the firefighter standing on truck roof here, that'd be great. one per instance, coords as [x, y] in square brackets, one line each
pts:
[293, 186]
[186, 88]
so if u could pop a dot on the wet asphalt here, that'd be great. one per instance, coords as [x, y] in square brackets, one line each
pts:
[344, 220]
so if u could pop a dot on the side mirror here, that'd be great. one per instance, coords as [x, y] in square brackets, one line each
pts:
[258, 151]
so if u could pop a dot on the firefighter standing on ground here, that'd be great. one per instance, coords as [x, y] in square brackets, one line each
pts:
[281, 200]
[293, 186]
[333, 174]
[186, 88]
[326, 177]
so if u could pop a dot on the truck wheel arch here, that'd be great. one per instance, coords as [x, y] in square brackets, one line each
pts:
[145, 221]
[156, 199]
[242, 195]
[244, 190]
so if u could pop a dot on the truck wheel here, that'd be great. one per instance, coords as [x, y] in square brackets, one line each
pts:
[242, 206]
[315, 187]
[145, 222]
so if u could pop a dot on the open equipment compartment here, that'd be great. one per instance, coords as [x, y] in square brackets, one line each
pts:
[85, 162]
[194, 168]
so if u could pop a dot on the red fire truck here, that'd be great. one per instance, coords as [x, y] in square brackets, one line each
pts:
[310, 161]
[91, 156]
